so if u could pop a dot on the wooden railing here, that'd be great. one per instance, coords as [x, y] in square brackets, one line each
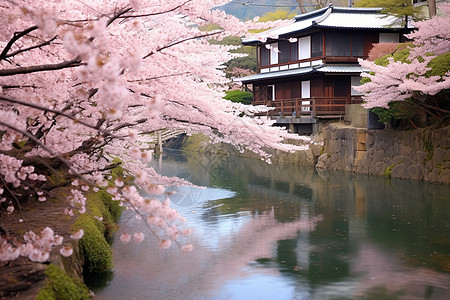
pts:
[314, 107]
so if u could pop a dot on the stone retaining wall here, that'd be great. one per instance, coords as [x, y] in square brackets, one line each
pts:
[416, 154]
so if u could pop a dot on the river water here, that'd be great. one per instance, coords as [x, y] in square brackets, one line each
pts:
[287, 232]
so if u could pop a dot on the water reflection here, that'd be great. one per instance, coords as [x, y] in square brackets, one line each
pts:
[287, 232]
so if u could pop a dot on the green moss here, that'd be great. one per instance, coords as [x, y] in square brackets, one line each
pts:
[196, 143]
[59, 285]
[94, 244]
[94, 247]
[388, 171]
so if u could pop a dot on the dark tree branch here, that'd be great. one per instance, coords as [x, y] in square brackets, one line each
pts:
[182, 41]
[17, 35]
[31, 48]
[157, 13]
[76, 62]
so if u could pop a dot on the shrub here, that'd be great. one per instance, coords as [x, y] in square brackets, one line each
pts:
[239, 96]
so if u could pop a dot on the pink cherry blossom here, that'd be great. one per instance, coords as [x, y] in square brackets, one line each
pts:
[66, 250]
[77, 235]
[84, 85]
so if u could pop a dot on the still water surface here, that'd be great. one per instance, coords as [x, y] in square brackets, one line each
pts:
[286, 232]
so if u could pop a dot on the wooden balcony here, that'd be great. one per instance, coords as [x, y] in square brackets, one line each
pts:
[316, 107]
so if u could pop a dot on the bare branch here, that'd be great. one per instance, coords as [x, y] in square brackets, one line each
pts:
[32, 47]
[17, 35]
[157, 13]
[76, 62]
[182, 41]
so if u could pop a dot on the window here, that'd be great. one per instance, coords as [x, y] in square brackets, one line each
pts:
[388, 37]
[341, 86]
[270, 92]
[285, 50]
[304, 47]
[355, 81]
[358, 45]
[274, 53]
[338, 44]
[306, 93]
[264, 54]
[294, 51]
[317, 44]
[344, 44]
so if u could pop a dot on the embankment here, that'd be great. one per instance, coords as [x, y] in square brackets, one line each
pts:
[422, 155]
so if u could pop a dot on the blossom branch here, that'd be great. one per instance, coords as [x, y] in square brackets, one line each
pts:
[16, 101]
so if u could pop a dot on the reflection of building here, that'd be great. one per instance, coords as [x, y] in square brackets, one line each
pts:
[306, 69]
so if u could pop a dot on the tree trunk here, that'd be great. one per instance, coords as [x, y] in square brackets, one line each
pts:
[432, 8]
[302, 8]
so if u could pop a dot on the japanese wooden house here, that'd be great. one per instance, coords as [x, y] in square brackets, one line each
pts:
[306, 70]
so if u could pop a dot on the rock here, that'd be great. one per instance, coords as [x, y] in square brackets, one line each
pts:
[438, 155]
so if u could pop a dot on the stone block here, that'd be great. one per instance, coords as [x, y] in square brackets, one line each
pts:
[334, 158]
[407, 162]
[370, 138]
[389, 152]
[438, 155]
[398, 159]
[447, 154]
[360, 155]
[361, 141]
[444, 176]
[379, 168]
[337, 146]
[413, 172]
[378, 156]
[341, 133]
[420, 156]
[398, 171]
[316, 150]
[405, 150]
[433, 176]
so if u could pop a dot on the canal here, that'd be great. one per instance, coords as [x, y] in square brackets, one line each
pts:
[281, 231]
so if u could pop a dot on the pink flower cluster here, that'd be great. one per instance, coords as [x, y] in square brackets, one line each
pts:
[84, 84]
[401, 80]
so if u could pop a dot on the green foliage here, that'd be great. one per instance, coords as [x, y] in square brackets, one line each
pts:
[397, 110]
[277, 15]
[239, 96]
[439, 65]
[210, 27]
[247, 62]
[60, 286]
[401, 54]
[398, 8]
[411, 108]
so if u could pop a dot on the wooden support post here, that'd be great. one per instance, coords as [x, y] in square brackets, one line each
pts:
[159, 143]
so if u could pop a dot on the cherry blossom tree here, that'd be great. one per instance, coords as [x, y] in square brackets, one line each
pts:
[423, 79]
[85, 82]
